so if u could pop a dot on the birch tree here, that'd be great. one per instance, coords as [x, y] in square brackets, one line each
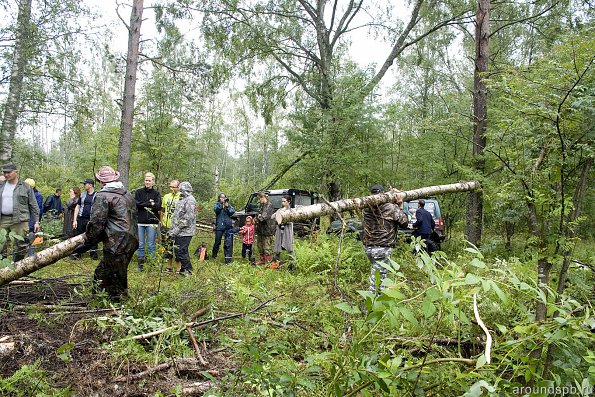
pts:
[21, 52]
[305, 44]
[40, 53]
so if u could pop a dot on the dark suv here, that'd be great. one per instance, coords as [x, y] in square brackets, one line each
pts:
[299, 198]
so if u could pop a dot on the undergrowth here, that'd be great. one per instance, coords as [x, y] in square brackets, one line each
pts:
[321, 333]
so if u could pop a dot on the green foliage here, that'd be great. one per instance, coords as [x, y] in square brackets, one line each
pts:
[30, 380]
[370, 363]
[312, 339]
[321, 335]
[542, 135]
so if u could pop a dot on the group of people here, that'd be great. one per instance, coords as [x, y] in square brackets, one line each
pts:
[112, 215]
[271, 238]
[128, 224]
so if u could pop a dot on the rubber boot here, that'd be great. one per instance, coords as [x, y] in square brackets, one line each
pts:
[141, 262]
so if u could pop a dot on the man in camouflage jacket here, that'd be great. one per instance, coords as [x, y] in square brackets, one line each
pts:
[265, 228]
[113, 221]
[380, 232]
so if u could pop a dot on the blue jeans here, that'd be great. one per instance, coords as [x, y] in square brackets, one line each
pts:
[150, 232]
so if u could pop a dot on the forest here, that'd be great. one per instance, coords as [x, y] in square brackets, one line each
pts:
[326, 96]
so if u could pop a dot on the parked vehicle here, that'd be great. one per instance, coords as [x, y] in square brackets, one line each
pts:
[433, 207]
[299, 198]
[352, 225]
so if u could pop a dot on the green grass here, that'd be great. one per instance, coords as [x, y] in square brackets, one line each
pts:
[312, 338]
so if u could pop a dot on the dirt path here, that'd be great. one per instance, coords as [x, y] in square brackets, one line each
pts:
[30, 333]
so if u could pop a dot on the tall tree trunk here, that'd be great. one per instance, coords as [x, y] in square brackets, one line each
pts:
[578, 201]
[136, 18]
[474, 225]
[543, 265]
[22, 47]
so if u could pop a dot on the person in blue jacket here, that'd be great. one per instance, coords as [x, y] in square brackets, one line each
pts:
[223, 210]
[424, 224]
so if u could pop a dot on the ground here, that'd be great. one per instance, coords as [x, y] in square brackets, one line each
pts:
[88, 368]
[83, 342]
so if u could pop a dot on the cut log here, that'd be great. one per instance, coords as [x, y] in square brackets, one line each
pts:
[392, 196]
[40, 260]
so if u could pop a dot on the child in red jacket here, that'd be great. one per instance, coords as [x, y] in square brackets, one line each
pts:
[247, 231]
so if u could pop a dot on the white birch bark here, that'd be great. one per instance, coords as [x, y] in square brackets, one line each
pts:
[40, 260]
[17, 73]
[392, 196]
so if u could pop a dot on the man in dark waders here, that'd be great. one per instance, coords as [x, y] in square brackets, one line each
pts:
[114, 222]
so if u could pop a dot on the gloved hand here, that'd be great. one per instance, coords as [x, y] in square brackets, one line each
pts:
[79, 249]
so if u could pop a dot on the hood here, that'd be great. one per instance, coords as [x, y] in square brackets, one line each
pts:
[185, 189]
[111, 186]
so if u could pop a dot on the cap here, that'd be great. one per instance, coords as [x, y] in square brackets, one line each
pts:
[377, 189]
[88, 180]
[107, 174]
[9, 167]
[30, 182]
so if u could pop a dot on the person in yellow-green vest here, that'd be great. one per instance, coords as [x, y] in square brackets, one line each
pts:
[168, 206]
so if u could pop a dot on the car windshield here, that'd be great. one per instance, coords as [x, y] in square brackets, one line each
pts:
[254, 204]
[430, 207]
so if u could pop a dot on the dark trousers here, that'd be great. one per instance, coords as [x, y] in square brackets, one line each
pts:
[246, 250]
[111, 275]
[228, 247]
[430, 244]
[181, 244]
[218, 236]
[81, 227]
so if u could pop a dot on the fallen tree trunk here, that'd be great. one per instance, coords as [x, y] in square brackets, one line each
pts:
[40, 260]
[392, 196]
[55, 253]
